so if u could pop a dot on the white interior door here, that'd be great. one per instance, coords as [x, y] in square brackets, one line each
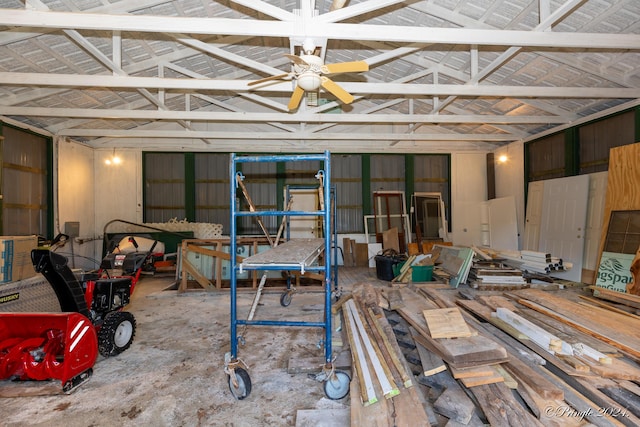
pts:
[534, 213]
[563, 222]
[303, 200]
[503, 224]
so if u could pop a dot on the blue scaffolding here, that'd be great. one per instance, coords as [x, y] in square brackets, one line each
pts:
[292, 255]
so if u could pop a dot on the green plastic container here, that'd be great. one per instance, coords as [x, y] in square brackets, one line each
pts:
[421, 273]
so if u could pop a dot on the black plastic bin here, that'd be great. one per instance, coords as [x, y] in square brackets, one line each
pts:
[384, 266]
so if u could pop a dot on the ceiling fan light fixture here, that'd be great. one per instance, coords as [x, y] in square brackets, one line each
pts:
[309, 81]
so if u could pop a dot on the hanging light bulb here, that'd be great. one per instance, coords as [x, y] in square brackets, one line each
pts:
[114, 160]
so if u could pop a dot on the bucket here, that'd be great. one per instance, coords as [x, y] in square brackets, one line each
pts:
[421, 273]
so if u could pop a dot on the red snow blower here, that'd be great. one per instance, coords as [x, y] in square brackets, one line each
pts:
[64, 346]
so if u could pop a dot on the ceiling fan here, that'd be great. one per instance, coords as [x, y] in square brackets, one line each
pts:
[310, 73]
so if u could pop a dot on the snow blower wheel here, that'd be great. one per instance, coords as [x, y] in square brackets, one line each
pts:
[116, 333]
[243, 381]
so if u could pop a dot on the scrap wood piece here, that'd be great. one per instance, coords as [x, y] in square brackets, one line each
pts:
[539, 352]
[387, 349]
[501, 408]
[367, 392]
[393, 298]
[473, 371]
[431, 363]
[459, 352]
[485, 313]
[539, 335]
[454, 404]
[551, 412]
[618, 330]
[493, 378]
[605, 305]
[189, 269]
[617, 369]
[615, 296]
[495, 301]
[446, 323]
[379, 365]
[366, 296]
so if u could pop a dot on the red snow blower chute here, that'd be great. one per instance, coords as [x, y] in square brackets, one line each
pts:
[64, 346]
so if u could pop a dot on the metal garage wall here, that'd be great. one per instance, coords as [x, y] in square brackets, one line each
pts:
[26, 159]
[164, 187]
[212, 189]
[346, 174]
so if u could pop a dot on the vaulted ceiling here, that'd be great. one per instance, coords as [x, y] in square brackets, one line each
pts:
[444, 75]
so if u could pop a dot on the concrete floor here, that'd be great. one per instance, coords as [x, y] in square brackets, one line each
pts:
[173, 373]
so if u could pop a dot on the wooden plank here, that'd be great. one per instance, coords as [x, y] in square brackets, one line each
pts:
[379, 365]
[471, 372]
[623, 193]
[386, 349]
[618, 330]
[362, 255]
[390, 239]
[367, 392]
[454, 404]
[615, 296]
[431, 364]
[493, 378]
[501, 408]
[604, 305]
[535, 333]
[347, 253]
[459, 352]
[295, 252]
[187, 267]
[446, 323]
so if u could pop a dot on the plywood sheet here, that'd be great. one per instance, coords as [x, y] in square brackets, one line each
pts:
[446, 323]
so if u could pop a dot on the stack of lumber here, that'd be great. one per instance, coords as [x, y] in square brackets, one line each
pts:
[493, 275]
[522, 358]
[454, 261]
[383, 390]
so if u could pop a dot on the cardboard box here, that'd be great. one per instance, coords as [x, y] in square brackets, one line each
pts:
[15, 257]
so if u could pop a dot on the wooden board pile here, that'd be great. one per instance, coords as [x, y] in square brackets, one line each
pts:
[495, 275]
[520, 358]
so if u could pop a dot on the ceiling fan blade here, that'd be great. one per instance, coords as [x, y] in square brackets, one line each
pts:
[296, 59]
[335, 89]
[346, 67]
[296, 97]
[266, 79]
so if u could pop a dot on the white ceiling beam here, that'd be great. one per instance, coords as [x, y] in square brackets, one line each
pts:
[312, 28]
[408, 89]
[337, 15]
[211, 135]
[244, 117]
[266, 8]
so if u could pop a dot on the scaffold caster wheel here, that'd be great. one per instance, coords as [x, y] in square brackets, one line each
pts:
[285, 298]
[241, 388]
[337, 385]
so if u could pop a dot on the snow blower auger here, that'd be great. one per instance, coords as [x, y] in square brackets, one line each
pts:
[64, 346]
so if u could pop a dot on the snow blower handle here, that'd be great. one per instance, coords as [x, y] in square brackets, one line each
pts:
[132, 240]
